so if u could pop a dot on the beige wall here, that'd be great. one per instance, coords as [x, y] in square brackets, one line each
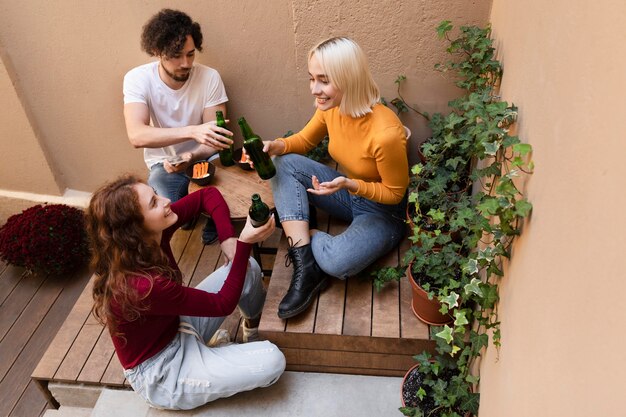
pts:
[562, 306]
[68, 58]
[20, 148]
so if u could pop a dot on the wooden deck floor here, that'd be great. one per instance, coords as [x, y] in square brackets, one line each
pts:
[32, 309]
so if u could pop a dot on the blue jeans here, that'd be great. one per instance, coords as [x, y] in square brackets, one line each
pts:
[374, 228]
[173, 186]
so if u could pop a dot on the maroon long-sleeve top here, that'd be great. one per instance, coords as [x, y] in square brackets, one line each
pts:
[167, 300]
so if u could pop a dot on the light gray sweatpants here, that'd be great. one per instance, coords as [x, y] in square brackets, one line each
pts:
[187, 374]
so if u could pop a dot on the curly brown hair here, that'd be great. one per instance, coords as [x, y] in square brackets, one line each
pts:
[166, 32]
[120, 249]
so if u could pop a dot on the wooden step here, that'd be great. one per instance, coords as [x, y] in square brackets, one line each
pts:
[350, 328]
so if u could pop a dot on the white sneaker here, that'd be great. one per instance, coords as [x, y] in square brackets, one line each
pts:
[220, 338]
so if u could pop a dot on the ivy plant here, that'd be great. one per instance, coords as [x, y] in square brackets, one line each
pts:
[466, 208]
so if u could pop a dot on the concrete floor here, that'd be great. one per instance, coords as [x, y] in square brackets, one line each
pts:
[295, 394]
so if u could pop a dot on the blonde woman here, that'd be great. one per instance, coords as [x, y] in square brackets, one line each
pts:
[368, 141]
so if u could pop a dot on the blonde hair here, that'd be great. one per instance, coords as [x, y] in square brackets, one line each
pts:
[346, 67]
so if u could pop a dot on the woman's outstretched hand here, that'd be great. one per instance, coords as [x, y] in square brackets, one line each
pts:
[330, 187]
[251, 234]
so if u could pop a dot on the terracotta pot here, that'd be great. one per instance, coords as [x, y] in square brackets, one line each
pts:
[406, 376]
[404, 380]
[425, 309]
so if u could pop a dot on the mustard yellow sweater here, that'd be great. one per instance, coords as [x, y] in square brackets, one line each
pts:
[371, 150]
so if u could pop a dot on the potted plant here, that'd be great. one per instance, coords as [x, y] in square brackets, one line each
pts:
[45, 238]
[471, 149]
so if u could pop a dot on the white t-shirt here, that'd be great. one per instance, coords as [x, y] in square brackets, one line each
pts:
[173, 108]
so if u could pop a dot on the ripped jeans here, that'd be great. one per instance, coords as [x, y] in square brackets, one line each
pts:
[187, 374]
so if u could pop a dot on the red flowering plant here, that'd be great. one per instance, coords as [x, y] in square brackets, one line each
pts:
[45, 238]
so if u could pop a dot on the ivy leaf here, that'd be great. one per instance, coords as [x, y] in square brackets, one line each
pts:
[443, 28]
[455, 349]
[472, 379]
[471, 268]
[488, 206]
[490, 295]
[491, 148]
[474, 287]
[452, 300]
[460, 319]
[445, 334]
[416, 169]
[522, 148]
[522, 208]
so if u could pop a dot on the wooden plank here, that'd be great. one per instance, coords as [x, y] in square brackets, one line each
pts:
[331, 304]
[358, 313]
[320, 357]
[192, 251]
[386, 303]
[98, 359]
[208, 261]
[179, 240]
[31, 402]
[114, 373]
[9, 279]
[345, 343]
[26, 324]
[76, 356]
[343, 370]
[57, 351]
[18, 377]
[278, 286]
[13, 306]
[305, 321]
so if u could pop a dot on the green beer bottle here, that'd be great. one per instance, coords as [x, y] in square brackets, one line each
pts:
[226, 155]
[259, 211]
[254, 147]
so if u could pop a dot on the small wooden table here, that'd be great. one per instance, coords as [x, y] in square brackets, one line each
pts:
[237, 186]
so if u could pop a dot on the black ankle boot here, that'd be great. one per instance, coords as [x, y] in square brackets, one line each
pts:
[308, 279]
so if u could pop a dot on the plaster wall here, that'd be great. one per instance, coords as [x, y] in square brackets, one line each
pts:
[561, 308]
[69, 58]
[20, 149]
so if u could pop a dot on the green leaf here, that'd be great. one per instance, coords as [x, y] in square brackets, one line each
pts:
[452, 300]
[522, 148]
[490, 295]
[472, 379]
[470, 268]
[421, 394]
[491, 148]
[455, 350]
[474, 287]
[443, 28]
[445, 334]
[488, 206]
[522, 208]
[460, 319]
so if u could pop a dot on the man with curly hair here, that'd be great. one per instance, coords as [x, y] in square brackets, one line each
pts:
[170, 105]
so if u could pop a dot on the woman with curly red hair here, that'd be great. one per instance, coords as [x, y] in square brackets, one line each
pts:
[160, 328]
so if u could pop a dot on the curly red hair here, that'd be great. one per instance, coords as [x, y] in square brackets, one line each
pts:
[120, 249]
